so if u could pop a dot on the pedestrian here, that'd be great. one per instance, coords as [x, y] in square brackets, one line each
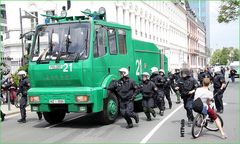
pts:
[232, 74]
[218, 85]
[126, 88]
[24, 86]
[159, 96]
[147, 88]
[187, 85]
[167, 87]
[206, 97]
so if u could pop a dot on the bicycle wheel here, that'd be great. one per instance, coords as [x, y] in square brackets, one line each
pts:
[210, 124]
[197, 126]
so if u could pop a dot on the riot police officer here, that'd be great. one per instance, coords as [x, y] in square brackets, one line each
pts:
[159, 82]
[176, 77]
[201, 76]
[207, 74]
[148, 88]
[24, 85]
[167, 87]
[126, 89]
[218, 85]
[187, 85]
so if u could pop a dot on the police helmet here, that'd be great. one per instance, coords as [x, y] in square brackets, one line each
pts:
[124, 71]
[146, 74]
[185, 72]
[22, 73]
[161, 71]
[154, 70]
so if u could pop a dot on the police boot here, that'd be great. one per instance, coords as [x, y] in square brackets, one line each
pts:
[161, 112]
[22, 120]
[136, 118]
[170, 105]
[39, 115]
[153, 112]
[129, 126]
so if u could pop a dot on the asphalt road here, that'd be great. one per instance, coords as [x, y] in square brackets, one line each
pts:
[78, 128]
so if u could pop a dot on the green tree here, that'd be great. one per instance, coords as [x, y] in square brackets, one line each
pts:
[229, 11]
[216, 57]
[222, 56]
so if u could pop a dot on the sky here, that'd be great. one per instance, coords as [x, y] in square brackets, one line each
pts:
[222, 35]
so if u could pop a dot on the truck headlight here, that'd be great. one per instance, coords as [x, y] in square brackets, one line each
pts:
[34, 99]
[81, 98]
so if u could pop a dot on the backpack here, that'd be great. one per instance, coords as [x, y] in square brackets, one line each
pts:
[198, 105]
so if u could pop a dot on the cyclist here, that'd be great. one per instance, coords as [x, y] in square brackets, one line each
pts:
[206, 97]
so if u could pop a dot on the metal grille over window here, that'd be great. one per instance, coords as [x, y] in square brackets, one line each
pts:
[122, 41]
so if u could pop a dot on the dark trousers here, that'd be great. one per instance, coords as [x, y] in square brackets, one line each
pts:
[167, 94]
[218, 100]
[126, 110]
[233, 78]
[23, 105]
[148, 104]
[188, 101]
[159, 100]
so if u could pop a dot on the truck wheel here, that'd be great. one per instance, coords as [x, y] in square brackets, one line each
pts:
[54, 117]
[110, 109]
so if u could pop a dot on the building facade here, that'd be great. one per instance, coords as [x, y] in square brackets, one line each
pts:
[201, 10]
[161, 22]
[197, 49]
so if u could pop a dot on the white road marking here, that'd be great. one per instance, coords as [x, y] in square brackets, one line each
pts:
[151, 133]
[51, 126]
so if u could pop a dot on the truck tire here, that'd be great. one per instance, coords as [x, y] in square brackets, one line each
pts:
[110, 110]
[54, 117]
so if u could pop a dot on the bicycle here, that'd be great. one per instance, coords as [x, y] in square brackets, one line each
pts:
[200, 121]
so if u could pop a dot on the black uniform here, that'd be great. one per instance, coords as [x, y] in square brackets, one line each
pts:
[218, 80]
[159, 97]
[167, 89]
[185, 86]
[126, 88]
[172, 77]
[24, 86]
[201, 77]
[148, 89]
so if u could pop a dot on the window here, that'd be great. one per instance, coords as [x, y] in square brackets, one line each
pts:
[122, 41]
[100, 41]
[112, 41]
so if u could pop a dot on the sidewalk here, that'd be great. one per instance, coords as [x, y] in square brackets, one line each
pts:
[13, 109]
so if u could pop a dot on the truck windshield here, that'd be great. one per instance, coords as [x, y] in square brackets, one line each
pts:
[67, 42]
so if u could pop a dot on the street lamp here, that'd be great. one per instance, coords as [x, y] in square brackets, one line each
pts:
[28, 16]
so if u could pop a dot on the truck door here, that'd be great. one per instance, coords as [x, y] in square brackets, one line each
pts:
[125, 57]
[99, 55]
